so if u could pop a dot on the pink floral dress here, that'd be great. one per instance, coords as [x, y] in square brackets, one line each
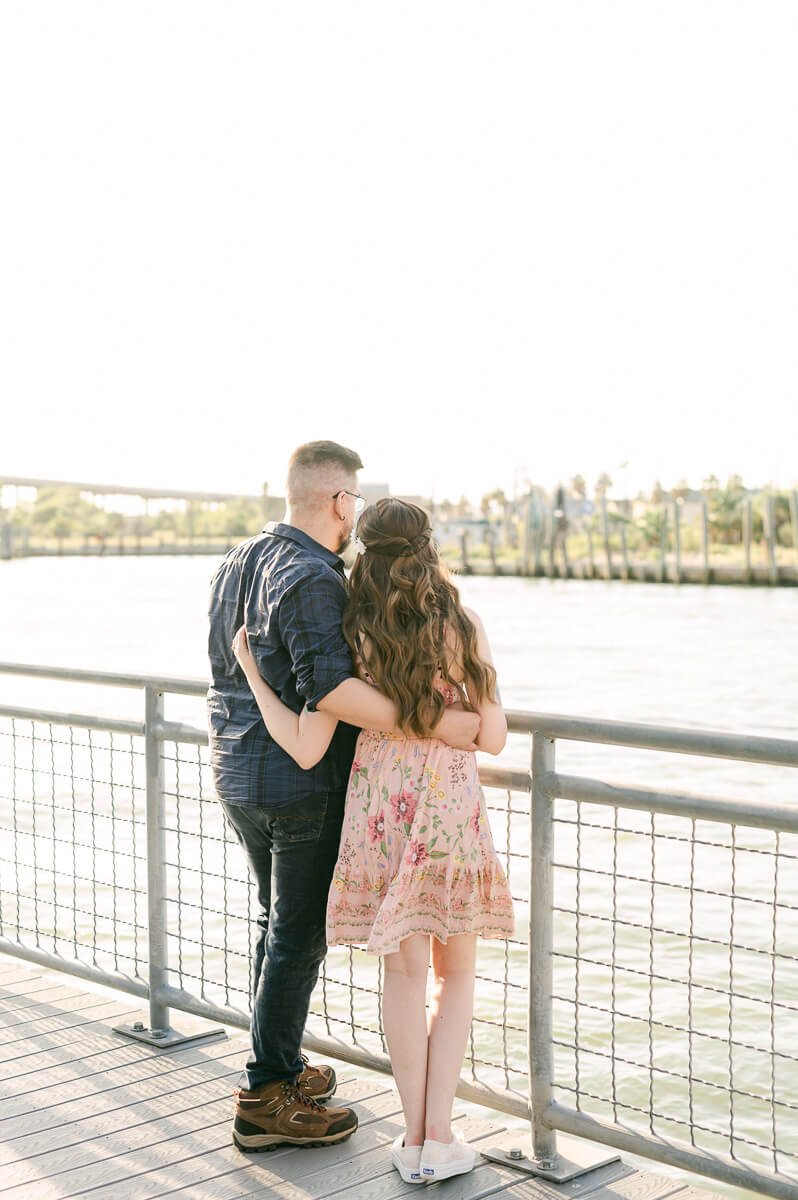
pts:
[416, 853]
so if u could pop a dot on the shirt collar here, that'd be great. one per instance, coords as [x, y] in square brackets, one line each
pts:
[279, 529]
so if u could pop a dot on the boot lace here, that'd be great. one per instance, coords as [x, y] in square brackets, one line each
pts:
[295, 1093]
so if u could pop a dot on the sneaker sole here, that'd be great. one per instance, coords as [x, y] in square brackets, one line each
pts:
[407, 1175]
[255, 1142]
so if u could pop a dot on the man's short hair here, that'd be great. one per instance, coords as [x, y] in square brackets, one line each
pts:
[312, 467]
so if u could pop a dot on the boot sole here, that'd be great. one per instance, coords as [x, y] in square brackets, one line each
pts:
[255, 1143]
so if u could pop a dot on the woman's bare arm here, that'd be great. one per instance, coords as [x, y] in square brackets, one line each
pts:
[305, 736]
[493, 725]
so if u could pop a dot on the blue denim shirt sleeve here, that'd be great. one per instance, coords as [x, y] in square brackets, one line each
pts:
[309, 618]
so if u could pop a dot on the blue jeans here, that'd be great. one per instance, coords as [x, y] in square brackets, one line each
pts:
[291, 853]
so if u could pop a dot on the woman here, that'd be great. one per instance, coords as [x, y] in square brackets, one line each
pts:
[417, 874]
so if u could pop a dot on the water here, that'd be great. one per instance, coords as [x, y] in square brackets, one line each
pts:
[704, 658]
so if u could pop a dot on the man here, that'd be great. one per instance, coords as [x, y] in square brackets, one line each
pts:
[287, 585]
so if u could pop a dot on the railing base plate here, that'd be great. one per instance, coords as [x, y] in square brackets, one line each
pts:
[165, 1037]
[561, 1170]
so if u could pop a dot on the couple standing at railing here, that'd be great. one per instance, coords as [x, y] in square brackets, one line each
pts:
[352, 787]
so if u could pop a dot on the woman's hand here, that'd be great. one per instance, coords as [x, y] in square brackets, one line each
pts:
[242, 651]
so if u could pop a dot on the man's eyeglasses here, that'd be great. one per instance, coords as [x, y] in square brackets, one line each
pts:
[360, 501]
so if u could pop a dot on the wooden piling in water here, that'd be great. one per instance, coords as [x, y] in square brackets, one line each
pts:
[526, 537]
[589, 533]
[464, 567]
[663, 544]
[677, 548]
[537, 544]
[747, 524]
[770, 538]
[705, 538]
[625, 559]
[492, 551]
[794, 515]
[606, 532]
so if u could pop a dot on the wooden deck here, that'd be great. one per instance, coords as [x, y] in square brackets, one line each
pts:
[84, 1112]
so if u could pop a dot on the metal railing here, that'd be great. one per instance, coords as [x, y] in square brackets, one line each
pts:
[649, 1000]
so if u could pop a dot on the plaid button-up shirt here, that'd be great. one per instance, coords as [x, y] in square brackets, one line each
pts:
[290, 593]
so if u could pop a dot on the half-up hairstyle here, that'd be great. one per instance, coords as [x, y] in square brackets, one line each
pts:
[401, 602]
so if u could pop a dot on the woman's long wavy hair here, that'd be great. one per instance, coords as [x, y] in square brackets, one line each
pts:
[400, 598]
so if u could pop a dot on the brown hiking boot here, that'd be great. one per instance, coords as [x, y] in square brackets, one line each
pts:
[283, 1114]
[318, 1082]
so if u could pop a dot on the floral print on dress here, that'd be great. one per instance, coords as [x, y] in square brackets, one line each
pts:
[417, 854]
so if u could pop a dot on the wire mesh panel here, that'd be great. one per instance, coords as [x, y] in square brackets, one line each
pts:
[676, 979]
[73, 872]
[211, 903]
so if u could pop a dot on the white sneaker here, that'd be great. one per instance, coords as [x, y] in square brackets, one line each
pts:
[407, 1160]
[439, 1160]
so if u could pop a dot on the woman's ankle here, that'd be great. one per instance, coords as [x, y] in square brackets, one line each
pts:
[414, 1137]
[439, 1132]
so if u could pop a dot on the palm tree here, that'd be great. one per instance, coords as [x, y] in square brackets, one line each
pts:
[603, 484]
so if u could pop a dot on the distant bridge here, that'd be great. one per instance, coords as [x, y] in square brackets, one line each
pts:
[117, 489]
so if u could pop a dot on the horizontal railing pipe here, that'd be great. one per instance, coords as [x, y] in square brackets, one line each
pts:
[678, 1154]
[679, 804]
[705, 743]
[70, 966]
[161, 683]
[78, 720]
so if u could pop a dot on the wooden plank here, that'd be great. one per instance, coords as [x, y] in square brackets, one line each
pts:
[107, 1070]
[117, 1097]
[156, 1130]
[118, 1094]
[40, 1019]
[363, 1177]
[231, 1174]
[27, 986]
[696, 1193]
[10, 965]
[95, 1035]
[46, 1018]
[147, 1170]
[641, 1185]
[72, 1124]
[57, 993]
[373, 1175]
[14, 1069]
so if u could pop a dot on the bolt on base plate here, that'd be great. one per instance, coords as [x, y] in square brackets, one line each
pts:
[139, 1032]
[558, 1170]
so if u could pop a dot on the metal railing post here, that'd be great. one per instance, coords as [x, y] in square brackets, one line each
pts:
[541, 900]
[156, 860]
[160, 1032]
[546, 1160]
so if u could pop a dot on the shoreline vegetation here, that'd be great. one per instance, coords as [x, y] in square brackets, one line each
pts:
[717, 534]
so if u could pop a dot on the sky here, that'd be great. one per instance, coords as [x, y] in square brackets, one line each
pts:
[483, 244]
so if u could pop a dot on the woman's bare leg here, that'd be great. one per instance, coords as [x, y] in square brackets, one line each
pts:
[450, 1012]
[404, 996]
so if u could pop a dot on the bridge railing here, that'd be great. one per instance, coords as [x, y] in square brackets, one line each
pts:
[648, 1002]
